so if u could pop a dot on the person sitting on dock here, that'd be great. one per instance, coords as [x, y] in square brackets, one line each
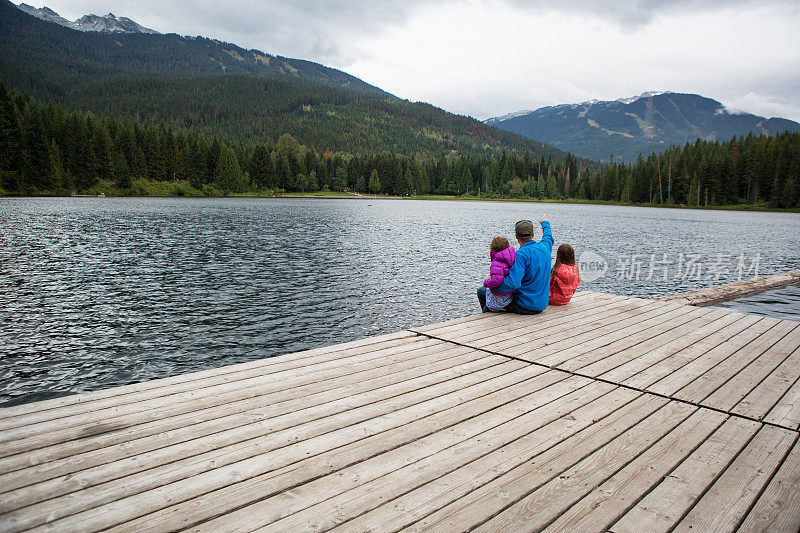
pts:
[529, 277]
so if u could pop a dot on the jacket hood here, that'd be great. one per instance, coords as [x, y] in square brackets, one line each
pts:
[506, 256]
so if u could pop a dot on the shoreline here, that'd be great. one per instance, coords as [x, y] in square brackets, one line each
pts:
[436, 197]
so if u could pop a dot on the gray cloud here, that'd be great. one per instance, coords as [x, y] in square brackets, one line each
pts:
[587, 49]
[636, 13]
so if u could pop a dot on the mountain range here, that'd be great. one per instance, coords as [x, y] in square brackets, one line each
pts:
[215, 87]
[647, 123]
[113, 65]
[109, 23]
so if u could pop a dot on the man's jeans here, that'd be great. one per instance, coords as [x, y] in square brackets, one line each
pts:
[511, 308]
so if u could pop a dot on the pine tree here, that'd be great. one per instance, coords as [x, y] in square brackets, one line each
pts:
[260, 166]
[374, 183]
[788, 197]
[122, 173]
[408, 182]
[340, 178]
[56, 173]
[228, 174]
[302, 182]
[35, 145]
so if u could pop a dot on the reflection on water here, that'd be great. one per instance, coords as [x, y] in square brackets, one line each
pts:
[102, 292]
[781, 303]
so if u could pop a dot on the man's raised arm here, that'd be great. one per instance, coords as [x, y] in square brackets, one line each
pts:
[547, 233]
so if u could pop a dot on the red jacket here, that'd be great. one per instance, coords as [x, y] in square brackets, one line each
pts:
[563, 283]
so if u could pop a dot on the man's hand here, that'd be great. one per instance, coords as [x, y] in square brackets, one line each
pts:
[543, 219]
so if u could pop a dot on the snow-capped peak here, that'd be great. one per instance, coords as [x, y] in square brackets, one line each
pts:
[510, 116]
[107, 23]
[647, 94]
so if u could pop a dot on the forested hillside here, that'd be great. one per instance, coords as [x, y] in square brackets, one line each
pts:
[219, 88]
[744, 170]
[47, 150]
[49, 60]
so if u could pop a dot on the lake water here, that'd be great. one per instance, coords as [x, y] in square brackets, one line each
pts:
[102, 292]
[781, 303]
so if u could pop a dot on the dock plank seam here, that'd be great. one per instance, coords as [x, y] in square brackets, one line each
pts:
[766, 485]
[708, 487]
[583, 458]
[619, 384]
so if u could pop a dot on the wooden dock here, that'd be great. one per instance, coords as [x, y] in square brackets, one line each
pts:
[610, 413]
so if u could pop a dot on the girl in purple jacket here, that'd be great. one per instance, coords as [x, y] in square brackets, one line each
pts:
[502, 255]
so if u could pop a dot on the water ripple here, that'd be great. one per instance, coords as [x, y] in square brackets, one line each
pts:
[102, 292]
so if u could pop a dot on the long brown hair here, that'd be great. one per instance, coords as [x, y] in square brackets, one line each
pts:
[564, 256]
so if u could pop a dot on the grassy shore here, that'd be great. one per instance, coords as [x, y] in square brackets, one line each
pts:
[183, 188]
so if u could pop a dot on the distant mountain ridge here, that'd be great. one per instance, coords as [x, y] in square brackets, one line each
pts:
[219, 88]
[37, 49]
[647, 123]
[107, 23]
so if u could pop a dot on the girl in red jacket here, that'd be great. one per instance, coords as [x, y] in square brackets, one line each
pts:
[564, 276]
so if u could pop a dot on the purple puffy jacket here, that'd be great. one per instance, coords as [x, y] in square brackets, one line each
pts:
[501, 263]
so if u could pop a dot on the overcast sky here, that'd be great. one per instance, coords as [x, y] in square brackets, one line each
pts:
[488, 58]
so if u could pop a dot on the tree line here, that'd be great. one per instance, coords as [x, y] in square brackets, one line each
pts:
[45, 149]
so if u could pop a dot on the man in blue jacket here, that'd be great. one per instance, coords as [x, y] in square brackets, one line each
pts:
[529, 277]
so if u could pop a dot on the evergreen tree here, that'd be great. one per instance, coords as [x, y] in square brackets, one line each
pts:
[260, 166]
[122, 173]
[374, 182]
[228, 175]
[313, 185]
[56, 174]
[10, 149]
[340, 178]
[788, 198]
[302, 182]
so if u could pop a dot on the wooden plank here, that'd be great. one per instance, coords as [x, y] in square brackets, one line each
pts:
[608, 501]
[605, 317]
[119, 501]
[668, 337]
[666, 504]
[530, 330]
[200, 375]
[240, 437]
[686, 373]
[558, 352]
[485, 501]
[510, 325]
[122, 417]
[481, 319]
[707, 383]
[731, 394]
[726, 504]
[787, 411]
[659, 363]
[778, 508]
[761, 399]
[540, 333]
[199, 387]
[644, 341]
[394, 514]
[623, 312]
[69, 441]
[439, 326]
[392, 381]
[362, 486]
[540, 507]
